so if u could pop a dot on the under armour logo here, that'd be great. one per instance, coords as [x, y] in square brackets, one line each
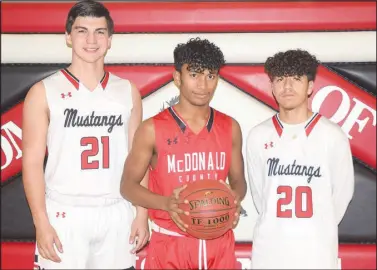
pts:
[268, 145]
[69, 94]
[174, 141]
[60, 214]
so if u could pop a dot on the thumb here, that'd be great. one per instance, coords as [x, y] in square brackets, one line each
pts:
[132, 236]
[178, 190]
[58, 244]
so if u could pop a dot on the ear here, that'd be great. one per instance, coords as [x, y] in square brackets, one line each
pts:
[68, 40]
[177, 78]
[310, 88]
[109, 42]
[272, 88]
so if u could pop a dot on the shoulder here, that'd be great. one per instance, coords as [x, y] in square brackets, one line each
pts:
[332, 131]
[37, 90]
[260, 130]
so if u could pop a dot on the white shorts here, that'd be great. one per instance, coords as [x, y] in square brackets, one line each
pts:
[93, 237]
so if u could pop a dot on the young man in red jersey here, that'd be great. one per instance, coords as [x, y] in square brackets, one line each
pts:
[189, 132]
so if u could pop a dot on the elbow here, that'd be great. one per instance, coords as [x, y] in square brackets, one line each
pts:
[124, 190]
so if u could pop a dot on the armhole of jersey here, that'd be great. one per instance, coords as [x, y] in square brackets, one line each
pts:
[131, 101]
[231, 141]
[48, 101]
[156, 142]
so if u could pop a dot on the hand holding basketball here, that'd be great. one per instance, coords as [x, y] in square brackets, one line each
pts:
[174, 210]
[237, 201]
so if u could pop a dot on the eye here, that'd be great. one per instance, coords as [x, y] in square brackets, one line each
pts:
[211, 76]
[298, 78]
[194, 75]
[101, 32]
[279, 79]
[82, 31]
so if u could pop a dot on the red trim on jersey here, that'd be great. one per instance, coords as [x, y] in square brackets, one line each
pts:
[309, 127]
[105, 80]
[70, 78]
[277, 124]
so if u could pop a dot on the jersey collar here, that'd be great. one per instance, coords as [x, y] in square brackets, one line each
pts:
[308, 127]
[76, 82]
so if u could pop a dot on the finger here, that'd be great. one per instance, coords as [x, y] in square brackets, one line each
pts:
[42, 252]
[58, 244]
[52, 254]
[132, 236]
[177, 191]
[177, 210]
[180, 222]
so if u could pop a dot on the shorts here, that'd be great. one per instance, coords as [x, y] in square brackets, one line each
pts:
[180, 252]
[93, 237]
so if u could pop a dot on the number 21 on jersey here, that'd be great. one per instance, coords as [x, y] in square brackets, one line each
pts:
[97, 161]
[302, 207]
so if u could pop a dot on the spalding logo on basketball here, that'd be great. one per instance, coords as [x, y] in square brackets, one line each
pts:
[211, 207]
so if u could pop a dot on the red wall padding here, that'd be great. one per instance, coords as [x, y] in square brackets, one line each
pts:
[356, 256]
[200, 17]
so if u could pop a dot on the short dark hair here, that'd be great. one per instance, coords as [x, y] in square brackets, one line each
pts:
[89, 8]
[199, 54]
[292, 63]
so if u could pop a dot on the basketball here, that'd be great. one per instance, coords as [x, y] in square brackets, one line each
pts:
[211, 209]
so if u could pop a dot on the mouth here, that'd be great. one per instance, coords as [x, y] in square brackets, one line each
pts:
[91, 50]
[200, 95]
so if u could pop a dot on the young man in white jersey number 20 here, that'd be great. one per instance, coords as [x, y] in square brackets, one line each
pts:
[300, 172]
[87, 118]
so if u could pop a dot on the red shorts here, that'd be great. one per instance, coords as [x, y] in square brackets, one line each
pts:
[175, 252]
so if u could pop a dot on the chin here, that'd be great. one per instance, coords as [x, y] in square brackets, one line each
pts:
[199, 103]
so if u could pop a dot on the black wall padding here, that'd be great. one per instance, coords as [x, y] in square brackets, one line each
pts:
[358, 225]
[17, 79]
[363, 74]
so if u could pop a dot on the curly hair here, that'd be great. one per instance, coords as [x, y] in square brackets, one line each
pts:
[199, 54]
[292, 63]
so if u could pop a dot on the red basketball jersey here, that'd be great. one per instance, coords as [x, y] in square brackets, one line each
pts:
[185, 157]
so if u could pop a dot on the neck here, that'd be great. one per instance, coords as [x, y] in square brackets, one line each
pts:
[295, 116]
[90, 74]
[189, 111]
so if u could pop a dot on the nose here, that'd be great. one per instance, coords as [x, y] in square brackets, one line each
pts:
[91, 38]
[288, 83]
[201, 82]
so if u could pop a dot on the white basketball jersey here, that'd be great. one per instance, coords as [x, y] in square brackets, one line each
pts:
[302, 180]
[87, 135]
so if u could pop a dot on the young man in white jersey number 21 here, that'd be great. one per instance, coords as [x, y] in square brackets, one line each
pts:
[87, 118]
[300, 172]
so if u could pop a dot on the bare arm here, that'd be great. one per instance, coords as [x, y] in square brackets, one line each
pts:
[135, 121]
[236, 173]
[34, 136]
[136, 166]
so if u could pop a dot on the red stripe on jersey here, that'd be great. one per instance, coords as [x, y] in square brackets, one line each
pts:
[105, 80]
[70, 78]
[311, 125]
[278, 126]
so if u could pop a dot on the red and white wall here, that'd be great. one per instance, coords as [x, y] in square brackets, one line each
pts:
[341, 34]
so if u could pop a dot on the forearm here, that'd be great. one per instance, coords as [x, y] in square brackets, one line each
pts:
[240, 188]
[34, 186]
[141, 196]
[142, 212]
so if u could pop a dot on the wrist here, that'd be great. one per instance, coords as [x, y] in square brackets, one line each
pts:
[163, 205]
[40, 220]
